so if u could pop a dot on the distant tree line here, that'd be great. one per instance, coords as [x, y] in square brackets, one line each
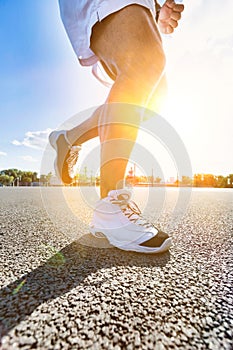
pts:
[210, 180]
[15, 177]
[198, 180]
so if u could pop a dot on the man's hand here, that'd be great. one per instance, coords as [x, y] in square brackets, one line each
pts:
[169, 16]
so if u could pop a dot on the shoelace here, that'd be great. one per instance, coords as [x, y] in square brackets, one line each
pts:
[72, 159]
[132, 212]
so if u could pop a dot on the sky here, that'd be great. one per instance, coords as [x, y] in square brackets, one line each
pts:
[42, 84]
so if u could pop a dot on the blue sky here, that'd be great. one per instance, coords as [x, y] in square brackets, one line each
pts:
[40, 78]
[42, 85]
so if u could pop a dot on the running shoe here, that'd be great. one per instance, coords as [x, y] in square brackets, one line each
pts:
[67, 156]
[119, 219]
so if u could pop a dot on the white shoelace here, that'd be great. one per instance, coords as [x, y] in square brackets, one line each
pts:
[132, 212]
[72, 159]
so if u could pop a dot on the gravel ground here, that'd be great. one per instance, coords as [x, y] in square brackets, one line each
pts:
[59, 291]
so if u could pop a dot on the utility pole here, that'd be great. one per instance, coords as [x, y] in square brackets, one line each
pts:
[85, 173]
[91, 176]
[134, 173]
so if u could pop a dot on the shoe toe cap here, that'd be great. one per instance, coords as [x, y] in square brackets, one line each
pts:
[156, 241]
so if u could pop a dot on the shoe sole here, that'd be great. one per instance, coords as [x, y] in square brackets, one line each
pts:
[135, 247]
[150, 250]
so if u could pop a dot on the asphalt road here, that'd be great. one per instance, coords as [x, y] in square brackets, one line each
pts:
[62, 289]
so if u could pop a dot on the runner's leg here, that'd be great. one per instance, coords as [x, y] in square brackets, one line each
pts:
[138, 61]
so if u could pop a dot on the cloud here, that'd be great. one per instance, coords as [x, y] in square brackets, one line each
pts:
[34, 139]
[16, 143]
[3, 154]
[29, 159]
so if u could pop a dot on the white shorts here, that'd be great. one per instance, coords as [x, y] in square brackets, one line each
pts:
[79, 16]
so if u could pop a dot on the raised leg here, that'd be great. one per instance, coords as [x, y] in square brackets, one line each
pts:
[88, 129]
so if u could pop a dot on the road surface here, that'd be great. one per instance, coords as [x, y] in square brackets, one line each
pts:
[62, 289]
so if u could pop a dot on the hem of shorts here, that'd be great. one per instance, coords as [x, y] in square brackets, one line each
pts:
[88, 61]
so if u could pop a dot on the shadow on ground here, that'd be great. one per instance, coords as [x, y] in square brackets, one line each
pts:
[61, 273]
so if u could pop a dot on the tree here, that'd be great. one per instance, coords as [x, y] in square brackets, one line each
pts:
[197, 180]
[157, 180]
[43, 180]
[209, 180]
[27, 179]
[34, 177]
[230, 180]
[6, 180]
[221, 181]
[48, 177]
[186, 180]
[10, 172]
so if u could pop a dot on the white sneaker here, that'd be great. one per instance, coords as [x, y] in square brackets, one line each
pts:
[67, 156]
[120, 221]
